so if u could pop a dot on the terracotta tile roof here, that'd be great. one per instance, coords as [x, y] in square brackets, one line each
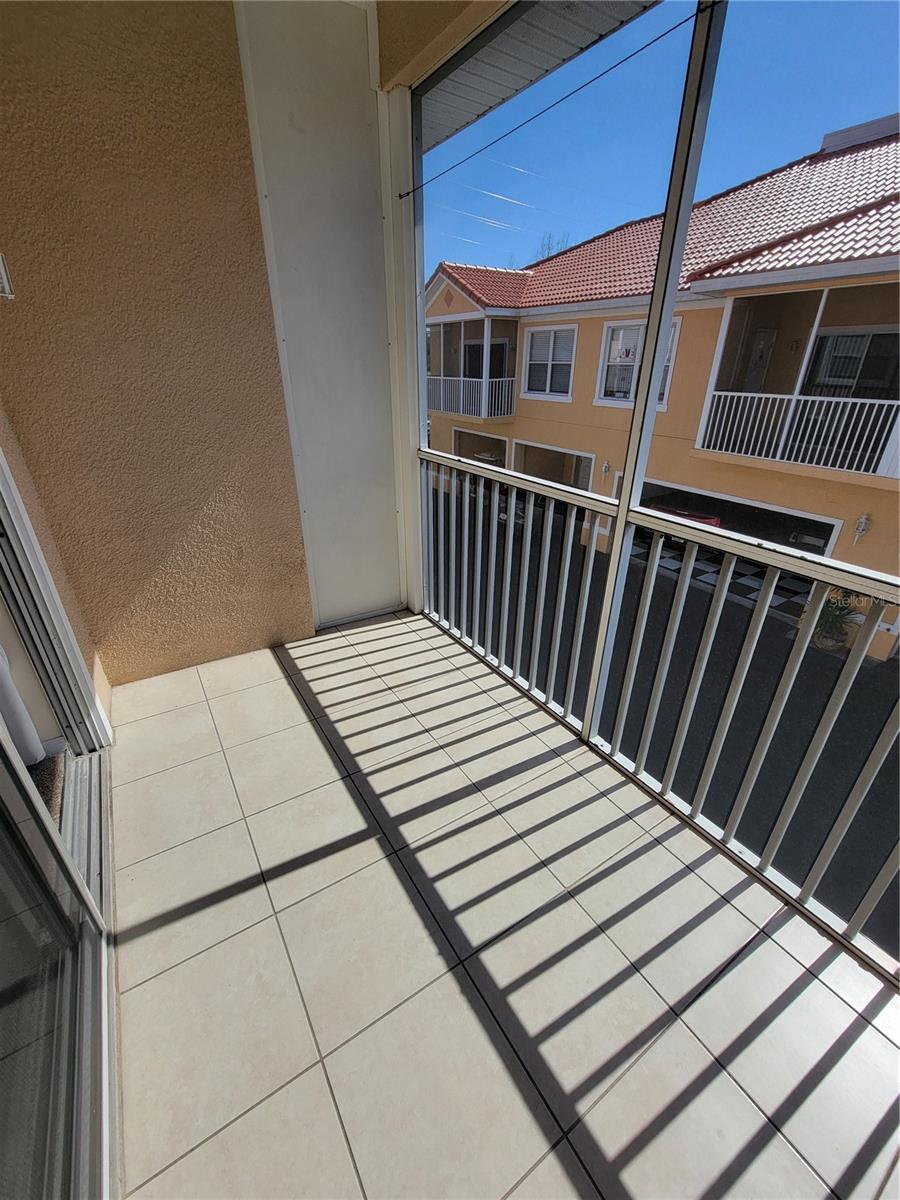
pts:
[826, 207]
[868, 233]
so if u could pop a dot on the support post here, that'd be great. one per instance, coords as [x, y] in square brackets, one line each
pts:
[701, 69]
[724, 326]
[486, 367]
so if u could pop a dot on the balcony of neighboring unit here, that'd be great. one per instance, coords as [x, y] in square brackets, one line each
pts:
[457, 381]
[809, 378]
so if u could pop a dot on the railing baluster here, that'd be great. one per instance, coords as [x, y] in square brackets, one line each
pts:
[852, 804]
[492, 570]
[511, 497]
[541, 595]
[560, 601]
[736, 686]
[685, 576]
[699, 669]
[476, 591]
[464, 558]
[823, 729]
[587, 572]
[870, 900]
[441, 548]
[637, 641]
[451, 616]
[428, 506]
[814, 605]
[525, 558]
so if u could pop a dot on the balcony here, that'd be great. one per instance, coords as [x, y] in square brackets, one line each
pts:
[368, 891]
[837, 433]
[472, 397]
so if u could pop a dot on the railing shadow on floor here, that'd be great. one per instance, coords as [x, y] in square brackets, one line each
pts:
[555, 1110]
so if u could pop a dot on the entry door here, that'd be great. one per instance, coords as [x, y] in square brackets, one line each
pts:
[760, 356]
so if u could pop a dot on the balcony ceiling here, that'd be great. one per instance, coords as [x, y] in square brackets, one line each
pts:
[528, 42]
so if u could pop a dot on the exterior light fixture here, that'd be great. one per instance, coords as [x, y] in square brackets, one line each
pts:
[862, 527]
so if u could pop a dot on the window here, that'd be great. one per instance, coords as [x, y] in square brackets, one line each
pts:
[549, 354]
[479, 447]
[859, 363]
[623, 346]
[556, 465]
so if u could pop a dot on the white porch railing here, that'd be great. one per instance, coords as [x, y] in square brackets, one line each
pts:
[450, 394]
[834, 432]
[764, 729]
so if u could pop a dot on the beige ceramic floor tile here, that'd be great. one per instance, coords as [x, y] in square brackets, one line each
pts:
[282, 765]
[751, 898]
[574, 1008]
[559, 1176]
[435, 1104]
[147, 697]
[376, 921]
[156, 743]
[499, 754]
[254, 712]
[642, 808]
[826, 1078]
[332, 689]
[676, 1126]
[310, 842]
[181, 901]
[240, 671]
[417, 665]
[417, 793]
[204, 1042]
[171, 807]
[567, 823]
[675, 928]
[452, 704]
[289, 1146]
[367, 734]
[479, 878]
[860, 987]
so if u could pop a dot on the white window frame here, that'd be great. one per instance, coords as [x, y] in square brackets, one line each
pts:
[608, 327]
[864, 331]
[554, 397]
[497, 437]
[560, 449]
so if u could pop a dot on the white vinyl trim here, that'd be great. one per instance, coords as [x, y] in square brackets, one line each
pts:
[555, 397]
[608, 327]
[560, 450]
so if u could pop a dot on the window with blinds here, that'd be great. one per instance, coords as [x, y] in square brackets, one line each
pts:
[623, 346]
[549, 357]
[860, 365]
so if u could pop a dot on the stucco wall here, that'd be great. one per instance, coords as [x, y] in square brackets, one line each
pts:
[416, 37]
[142, 381]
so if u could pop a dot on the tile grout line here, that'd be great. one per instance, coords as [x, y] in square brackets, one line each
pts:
[676, 1014]
[215, 1133]
[302, 998]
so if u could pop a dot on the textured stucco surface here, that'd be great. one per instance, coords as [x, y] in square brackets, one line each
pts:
[140, 374]
[416, 36]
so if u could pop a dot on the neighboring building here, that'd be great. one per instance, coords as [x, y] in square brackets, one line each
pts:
[778, 412]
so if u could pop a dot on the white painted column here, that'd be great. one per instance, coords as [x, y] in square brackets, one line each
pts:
[724, 326]
[486, 367]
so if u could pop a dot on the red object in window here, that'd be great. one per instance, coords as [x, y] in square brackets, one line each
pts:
[687, 515]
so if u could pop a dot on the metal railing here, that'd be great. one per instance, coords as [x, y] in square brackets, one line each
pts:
[835, 432]
[728, 695]
[467, 397]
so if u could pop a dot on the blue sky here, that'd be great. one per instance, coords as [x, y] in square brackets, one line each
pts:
[789, 71]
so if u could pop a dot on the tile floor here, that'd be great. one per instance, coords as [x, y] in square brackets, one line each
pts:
[386, 929]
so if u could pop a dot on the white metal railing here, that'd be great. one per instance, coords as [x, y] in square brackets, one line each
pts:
[835, 432]
[450, 394]
[501, 397]
[774, 745]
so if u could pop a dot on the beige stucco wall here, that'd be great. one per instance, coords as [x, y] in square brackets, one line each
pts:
[585, 427]
[416, 36]
[140, 368]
